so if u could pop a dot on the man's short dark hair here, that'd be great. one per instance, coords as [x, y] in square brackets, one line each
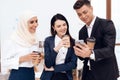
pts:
[79, 3]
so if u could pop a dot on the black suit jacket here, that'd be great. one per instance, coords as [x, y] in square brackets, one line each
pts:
[105, 66]
[50, 58]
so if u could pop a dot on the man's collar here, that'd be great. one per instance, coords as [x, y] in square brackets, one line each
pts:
[92, 23]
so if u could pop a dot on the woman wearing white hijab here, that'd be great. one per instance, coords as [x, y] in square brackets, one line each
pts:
[17, 55]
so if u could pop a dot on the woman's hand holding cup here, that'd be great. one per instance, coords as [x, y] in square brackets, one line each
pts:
[36, 57]
[66, 41]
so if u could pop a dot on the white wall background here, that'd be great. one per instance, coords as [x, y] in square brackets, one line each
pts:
[10, 10]
[116, 17]
[45, 9]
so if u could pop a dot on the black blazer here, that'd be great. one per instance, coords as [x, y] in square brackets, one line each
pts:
[50, 58]
[105, 66]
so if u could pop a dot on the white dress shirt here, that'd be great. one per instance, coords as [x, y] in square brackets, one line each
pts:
[61, 55]
[89, 29]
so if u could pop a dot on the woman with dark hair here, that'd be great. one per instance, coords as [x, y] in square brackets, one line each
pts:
[59, 53]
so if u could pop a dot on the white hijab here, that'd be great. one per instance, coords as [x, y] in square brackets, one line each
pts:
[22, 36]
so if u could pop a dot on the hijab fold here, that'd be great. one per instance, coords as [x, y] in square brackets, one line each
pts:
[22, 36]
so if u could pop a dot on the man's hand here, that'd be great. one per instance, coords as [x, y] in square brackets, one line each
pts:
[82, 50]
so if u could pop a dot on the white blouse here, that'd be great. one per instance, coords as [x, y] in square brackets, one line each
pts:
[60, 59]
[10, 54]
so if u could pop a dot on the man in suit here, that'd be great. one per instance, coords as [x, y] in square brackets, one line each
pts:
[99, 63]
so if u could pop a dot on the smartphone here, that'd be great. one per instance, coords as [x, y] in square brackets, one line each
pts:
[79, 42]
[37, 52]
